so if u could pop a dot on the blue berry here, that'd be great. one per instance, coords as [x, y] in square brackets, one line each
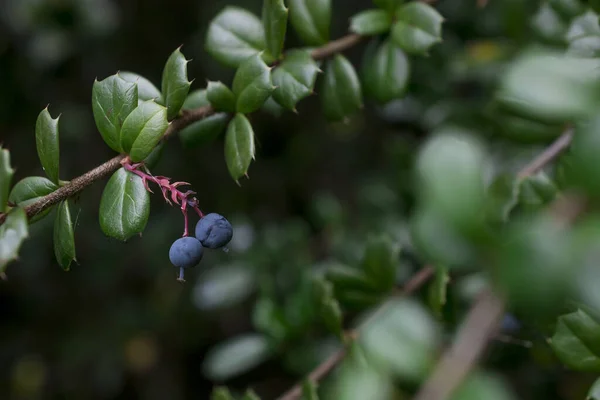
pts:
[186, 252]
[510, 324]
[214, 231]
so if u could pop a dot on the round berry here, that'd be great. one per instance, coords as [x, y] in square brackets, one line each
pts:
[186, 252]
[214, 231]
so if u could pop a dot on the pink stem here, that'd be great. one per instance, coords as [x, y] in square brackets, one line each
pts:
[169, 190]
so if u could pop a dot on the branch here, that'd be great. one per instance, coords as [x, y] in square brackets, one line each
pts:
[484, 317]
[479, 327]
[323, 369]
[188, 117]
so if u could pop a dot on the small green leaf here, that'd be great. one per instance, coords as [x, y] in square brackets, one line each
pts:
[146, 89]
[220, 96]
[143, 129]
[112, 100]
[567, 8]
[221, 393]
[234, 35]
[379, 262]
[388, 5]
[311, 19]
[154, 157]
[564, 89]
[64, 239]
[252, 84]
[29, 190]
[580, 166]
[438, 290]
[536, 191]
[294, 78]
[585, 47]
[328, 306]
[341, 92]
[236, 356]
[385, 72]
[453, 158]
[175, 84]
[402, 336]
[576, 341]
[418, 27]
[207, 129]
[502, 197]
[274, 16]
[344, 277]
[12, 233]
[371, 22]
[250, 395]
[239, 146]
[548, 25]
[480, 386]
[6, 174]
[46, 139]
[268, 318]
[124, 206]
[585, 25]
[594, 392]
[309, 390]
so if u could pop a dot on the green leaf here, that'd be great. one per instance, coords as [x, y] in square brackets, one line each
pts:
[380, 260]
[64, 238]
[234, 35]
[536, 191]
[6, 174]
[548, 25]
[567, 8]
[112, 100]
[124, 206]
[207, 129]
[154, 157]
[220, 96]
[385, 72]
[585, 25]
[564, 89]
[311, 19]
[175, 84]
[580, 168]
[309, 390]
[388, 5]
[585, 47]
[453, 158]
[537, 250]
[329, 308]
[344, 277]
[221, 393]
[480, 386]
[594, 392]
[274, 16]
[224, 287]
[418, 27]
[250, 395]
[46, 140]
[239, 146]
[502, 197]
[341, 92]
[143, 129]
[359, 380]
[438, 290]
[236, 356]
[294, 78]
[403, 337]
[12, 233]
[576, 341]
[371, 22]
[252, 84]
[146, 89]
[269, 318]
[29, 190]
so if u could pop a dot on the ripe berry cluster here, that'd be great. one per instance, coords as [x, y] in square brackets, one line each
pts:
[212, 231]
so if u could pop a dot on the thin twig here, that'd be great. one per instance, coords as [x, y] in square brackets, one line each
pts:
[481, 322]
[548, 155]
[479, 327]
[188, 117]
[327, 366]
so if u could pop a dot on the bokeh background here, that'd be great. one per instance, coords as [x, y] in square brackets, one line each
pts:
[118, 325]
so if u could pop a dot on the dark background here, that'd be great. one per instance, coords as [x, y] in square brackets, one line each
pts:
[119, 325]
